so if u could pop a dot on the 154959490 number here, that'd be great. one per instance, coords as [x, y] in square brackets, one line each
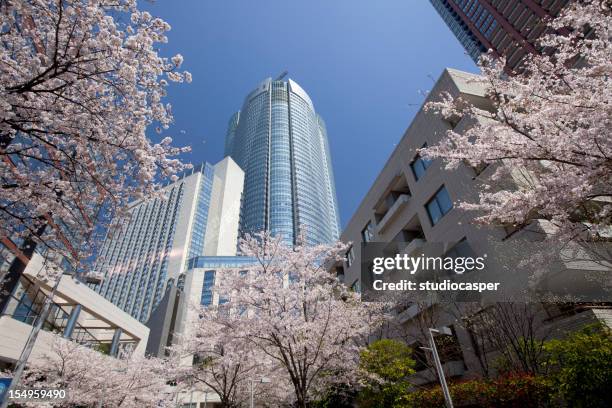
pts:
[37, 394]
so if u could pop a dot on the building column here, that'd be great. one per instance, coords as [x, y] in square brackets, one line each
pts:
[114, 350]
[74, 316]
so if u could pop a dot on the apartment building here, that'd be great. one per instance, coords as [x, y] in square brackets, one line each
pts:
[413, 201]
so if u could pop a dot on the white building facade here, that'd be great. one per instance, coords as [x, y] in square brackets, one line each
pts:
[199, 215]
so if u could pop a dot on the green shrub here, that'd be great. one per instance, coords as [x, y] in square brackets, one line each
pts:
[578, 375]
[390, 360]
[581, 367]
[507, 392]
[388, 364]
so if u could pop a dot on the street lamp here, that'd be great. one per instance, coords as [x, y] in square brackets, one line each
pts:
[263, 380]
[432, 347]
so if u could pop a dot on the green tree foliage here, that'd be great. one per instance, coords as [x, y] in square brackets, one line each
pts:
[387, 364]
[581, 367]
[579, 375]
[391, 360]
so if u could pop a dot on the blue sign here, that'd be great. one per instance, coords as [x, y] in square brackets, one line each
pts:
[4, 385]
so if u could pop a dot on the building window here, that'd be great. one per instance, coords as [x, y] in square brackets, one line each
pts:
[367, 234]
[207, 288]
[356, 286]
[461, 250]
[420, 165]
[350, 257]
[439, 205]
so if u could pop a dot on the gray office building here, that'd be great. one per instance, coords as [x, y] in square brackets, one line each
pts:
[281, 144]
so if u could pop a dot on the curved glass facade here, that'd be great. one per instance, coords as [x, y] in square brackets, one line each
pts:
[281, 144]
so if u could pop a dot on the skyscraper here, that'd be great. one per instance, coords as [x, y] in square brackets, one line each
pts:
[199, 216]
[508, 27]
[281, 144]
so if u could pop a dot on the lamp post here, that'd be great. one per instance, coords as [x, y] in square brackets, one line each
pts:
[436, 357]
[263, 380]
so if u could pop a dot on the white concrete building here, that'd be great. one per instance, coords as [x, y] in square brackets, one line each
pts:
[199, 216]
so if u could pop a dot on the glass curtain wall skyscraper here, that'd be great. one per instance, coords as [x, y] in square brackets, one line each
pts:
[508, 27]
[281, 144]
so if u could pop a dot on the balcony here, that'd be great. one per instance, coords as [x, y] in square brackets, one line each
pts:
[391, 202]
[413, 246]
[413, 310]
[395, 196]
[395, 208]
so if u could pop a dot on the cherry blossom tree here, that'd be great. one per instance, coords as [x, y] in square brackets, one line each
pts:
[291, 309]
[91, 377]
[548, 129]
[80, 83]
[210, 357]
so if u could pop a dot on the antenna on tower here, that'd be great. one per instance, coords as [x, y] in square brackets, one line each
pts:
[281, 76]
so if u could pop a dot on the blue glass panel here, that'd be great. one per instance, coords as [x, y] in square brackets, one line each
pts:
[418, 168]
[434, 211]
[444, 200]
[207, 288]
[439, 205]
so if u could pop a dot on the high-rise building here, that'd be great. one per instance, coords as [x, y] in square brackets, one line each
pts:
[281, 144]
[508, 27]
[199, 216]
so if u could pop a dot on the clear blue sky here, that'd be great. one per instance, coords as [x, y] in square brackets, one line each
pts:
[364, 63]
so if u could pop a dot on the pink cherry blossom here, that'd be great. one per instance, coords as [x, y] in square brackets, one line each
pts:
[286, 318]
[547, 130]
[89, 377]
[80, 83]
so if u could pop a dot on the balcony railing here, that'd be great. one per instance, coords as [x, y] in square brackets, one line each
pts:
[401, 201]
